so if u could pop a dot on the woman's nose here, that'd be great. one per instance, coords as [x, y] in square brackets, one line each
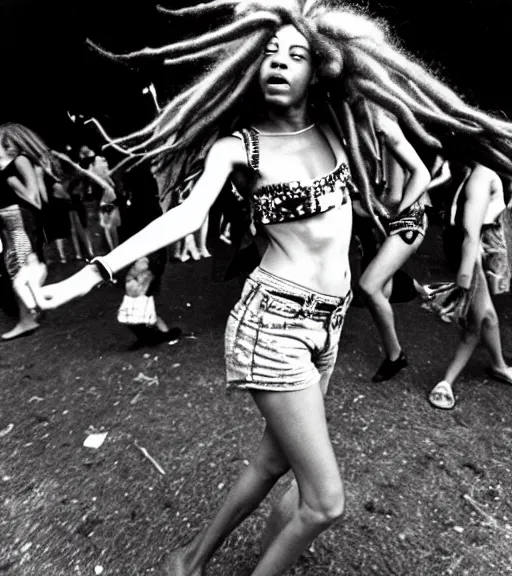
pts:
[278, 62]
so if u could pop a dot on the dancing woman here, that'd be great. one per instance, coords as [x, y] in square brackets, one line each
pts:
[403, 182]
[478, 234]
[253, 118]
[21, 153]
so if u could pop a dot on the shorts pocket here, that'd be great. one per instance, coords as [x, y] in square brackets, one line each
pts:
[277, 313]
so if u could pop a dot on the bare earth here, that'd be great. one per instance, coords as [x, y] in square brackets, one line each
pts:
[428, 491]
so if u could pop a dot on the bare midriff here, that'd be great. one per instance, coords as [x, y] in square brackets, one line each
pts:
[312, 252]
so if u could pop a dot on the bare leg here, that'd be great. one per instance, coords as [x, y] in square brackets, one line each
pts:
[490, 327]
[468, 342]
[74, 236]
[59, 243]
[482, 317]
[189, 249]
[266, 467]
[83, 236]
[115, 236]
[26, 322]
[375, 285]
[304, 439]
[296, 433]
[288, 504]
[108, 236]
[203, 233]
[88, 242]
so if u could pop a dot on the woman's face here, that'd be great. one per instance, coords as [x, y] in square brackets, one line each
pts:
[287, 69]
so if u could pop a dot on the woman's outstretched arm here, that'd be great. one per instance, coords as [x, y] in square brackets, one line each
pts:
[166, 229]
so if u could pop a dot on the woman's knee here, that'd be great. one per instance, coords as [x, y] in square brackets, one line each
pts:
[270, 467]
[490, 319]
[368, 288]
[325, 507]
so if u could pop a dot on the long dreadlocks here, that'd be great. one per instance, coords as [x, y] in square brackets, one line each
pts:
[360, 66]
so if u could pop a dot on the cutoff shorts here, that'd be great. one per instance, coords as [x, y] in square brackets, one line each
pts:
[409, 224]
[281, 336]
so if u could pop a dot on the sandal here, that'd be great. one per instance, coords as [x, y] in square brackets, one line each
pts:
[501, 375]
[441, 396]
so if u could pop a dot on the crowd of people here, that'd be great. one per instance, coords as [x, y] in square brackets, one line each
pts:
[329, 125]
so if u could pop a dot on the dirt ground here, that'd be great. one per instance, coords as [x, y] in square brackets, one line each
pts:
[427, 491]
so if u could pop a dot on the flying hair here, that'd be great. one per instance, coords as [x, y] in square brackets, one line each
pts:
[362, 72]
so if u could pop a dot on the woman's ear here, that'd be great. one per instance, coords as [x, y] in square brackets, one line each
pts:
[314, 79]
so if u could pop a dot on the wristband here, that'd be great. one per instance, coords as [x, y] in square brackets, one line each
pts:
[103, 268]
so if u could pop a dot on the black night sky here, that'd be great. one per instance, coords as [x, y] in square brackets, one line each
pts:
[47, 69]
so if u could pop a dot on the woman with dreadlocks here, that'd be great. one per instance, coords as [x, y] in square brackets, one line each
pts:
[253, 117]
[22, 154]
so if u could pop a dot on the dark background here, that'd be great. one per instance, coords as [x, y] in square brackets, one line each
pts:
[48, 70]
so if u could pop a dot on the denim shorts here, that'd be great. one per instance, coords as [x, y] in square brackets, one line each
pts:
[281, 336]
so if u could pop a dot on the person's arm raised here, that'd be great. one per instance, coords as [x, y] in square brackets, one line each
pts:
[166, 229]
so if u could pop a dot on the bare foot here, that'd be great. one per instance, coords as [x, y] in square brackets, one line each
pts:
[176, 564]
[20, 330]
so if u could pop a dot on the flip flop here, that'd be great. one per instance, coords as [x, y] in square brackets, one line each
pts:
[501, 376]
[441, 396]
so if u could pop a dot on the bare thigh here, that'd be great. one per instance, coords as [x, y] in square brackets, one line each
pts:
[391, 256]
[297, 421]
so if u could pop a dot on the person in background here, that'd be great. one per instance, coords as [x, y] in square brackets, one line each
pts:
[138, 204]
[110, 219]
[21, 200]
[404, 180]
[480, 247]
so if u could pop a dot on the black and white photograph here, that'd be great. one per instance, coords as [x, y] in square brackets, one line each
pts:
[255, 288]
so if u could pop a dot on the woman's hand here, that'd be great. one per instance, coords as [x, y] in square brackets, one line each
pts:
[54, 295]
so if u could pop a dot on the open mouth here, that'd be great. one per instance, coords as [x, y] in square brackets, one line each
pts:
[276, 80]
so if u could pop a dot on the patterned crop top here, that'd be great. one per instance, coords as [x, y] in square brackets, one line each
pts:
[289, 201]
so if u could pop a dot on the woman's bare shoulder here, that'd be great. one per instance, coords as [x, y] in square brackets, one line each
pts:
[229, 149]
[23, 163]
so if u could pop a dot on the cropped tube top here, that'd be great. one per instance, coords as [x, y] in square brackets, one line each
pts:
[290, 201]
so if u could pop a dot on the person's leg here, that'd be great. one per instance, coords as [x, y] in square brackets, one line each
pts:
[490, 328]
[296, 433]
[265, 468]
[442, 395]
[26, 323]
[203, 234]
[59, 243]
[300, 426]
[73, 216]
[108, 237]
[114, 235]
[288, 503]
[375, 284]
[189, 249]
[82, 232]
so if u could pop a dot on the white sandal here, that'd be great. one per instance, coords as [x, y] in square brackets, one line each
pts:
[441, 396]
